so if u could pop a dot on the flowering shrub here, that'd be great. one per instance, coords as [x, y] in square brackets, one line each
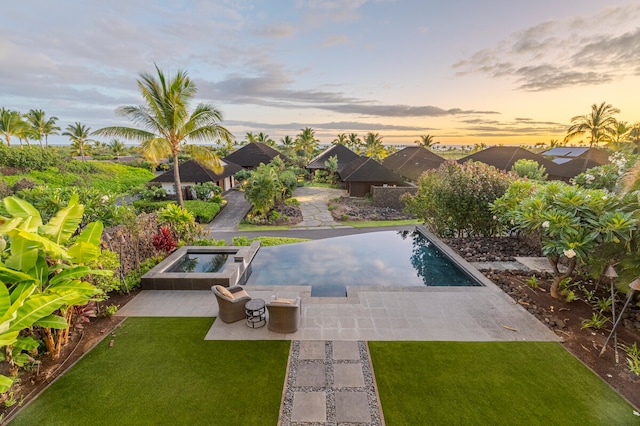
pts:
[454, 199]
[180, 221]
[606, 176]
[572, 222]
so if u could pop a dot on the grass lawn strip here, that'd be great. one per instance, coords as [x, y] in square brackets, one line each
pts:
[507, 383]
[161, 371]
[379, 223]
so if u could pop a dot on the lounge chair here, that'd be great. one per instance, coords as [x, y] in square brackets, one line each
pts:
[284, 315]
[231, 302]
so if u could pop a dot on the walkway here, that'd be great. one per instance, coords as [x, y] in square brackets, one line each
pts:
[230, 216]
[313, 204]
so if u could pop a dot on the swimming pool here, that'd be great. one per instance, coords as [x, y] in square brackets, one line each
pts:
[376, 259]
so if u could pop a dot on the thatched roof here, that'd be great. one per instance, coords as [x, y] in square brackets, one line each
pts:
[344, 154]
[192, 171]
[365, 169]
[412, 161]
[252, 154]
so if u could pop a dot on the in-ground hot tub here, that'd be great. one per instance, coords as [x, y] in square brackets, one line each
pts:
[199, 268]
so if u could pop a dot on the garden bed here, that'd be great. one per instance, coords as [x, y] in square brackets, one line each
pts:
[361, 209]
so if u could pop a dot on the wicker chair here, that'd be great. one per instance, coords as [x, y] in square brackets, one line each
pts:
[231, 309]
[284, 315]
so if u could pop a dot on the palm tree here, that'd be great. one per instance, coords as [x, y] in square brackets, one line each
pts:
[373, 146]
[306, 140]
[342, 139]
[287, 142]
[12, 124]
[42, 126]
[426, 141]
[265, 139]
[249, 137]
[354, 142]
[166, 123]
[555, 143]
[117, 147]
[598, 125]
[79, 136]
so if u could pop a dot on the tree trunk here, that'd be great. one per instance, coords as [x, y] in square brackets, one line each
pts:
[49, 341]
[176, 179]
[553, 291]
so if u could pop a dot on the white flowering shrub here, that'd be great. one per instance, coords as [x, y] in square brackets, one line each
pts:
[572, 222]
[606, 176]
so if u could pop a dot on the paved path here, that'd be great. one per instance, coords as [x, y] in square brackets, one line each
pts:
[330, 382]
[313, 204]
[229, 218]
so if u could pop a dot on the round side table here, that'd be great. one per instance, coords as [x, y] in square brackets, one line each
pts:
[256, 312]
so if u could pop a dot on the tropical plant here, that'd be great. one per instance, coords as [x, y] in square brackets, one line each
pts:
[42, 126]
[306, 141]
[164, 240]
[373, 146]
[166, 125]
[341, 139]
[262, 189]
[426, 141]
[116, 147]
[354, 143]
[265, 139]
[598, 126]
[287, 142]
[41, 277]
[529, 169]
[79, 134]
[607, 176]
[11, 124]
[453, 200]
[206, 190]
[332, 168]
[572, 222]
[181, 221]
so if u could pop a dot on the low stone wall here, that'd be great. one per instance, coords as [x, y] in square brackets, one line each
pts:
[389, 196]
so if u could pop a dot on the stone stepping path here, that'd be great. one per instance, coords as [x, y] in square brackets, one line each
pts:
[330, 383]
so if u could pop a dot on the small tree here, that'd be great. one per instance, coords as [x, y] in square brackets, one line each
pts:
[572, 222]
[332, 167]
[454, 199]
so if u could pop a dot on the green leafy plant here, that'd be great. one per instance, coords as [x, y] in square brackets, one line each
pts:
[529, 169]
[573, 223]
[533, 282]
[110, 310]
[180, 220]
[41, 279]
[453, 200]
[596, 321]
[633, 357]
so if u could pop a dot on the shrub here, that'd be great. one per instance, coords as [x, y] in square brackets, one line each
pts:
[110, 261]
[5, 189]
[202, 211]
[132, 279]
[146, 206]
[529, 169]
[207, 242]
[164, 241]
[242, 175]
[29, 158]
[24, 183]
[180, 220]
[454, 199]
[205, 191]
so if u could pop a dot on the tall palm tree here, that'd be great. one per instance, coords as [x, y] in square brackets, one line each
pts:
[426, 141]
[354, 142]
[79, 134]
[373, 146]
[306, 140]
[249, 137]
[265, 139]
[341, 139]
[42, 126]
[11, 124]
[598, 125]
[166, 125]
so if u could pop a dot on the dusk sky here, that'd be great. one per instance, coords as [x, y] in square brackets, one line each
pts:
[466, 72]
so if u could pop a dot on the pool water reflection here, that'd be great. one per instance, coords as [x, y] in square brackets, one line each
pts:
[385, 258]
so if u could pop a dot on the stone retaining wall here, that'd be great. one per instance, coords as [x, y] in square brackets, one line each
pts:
[389, 196]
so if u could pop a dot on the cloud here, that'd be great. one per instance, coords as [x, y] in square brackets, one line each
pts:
[275, 30]
[337, 126]
[558, 54]
[517, 127]
[335, 40]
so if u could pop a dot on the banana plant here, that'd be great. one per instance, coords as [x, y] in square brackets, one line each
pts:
[41, 279]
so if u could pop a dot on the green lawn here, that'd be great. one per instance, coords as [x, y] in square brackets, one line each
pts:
[380, 223]
[512, 383]
[161, 371]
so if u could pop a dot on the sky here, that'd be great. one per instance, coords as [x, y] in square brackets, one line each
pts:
[466, 72]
